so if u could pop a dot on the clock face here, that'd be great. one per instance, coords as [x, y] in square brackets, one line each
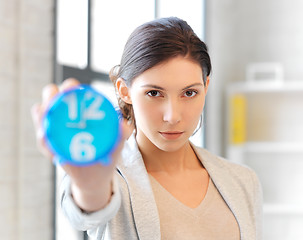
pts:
[81, 127]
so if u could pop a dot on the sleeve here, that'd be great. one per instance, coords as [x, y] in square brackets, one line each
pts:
[258, 205]
[88, 221]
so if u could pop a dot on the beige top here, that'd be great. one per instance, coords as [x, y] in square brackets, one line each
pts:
[212, 219]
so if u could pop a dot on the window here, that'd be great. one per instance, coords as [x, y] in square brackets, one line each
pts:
[72, 27]
[113, 22]
[191, 11]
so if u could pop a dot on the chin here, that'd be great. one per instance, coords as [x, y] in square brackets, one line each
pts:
[172, 146]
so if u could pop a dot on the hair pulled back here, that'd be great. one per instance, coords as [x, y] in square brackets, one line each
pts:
[156, 42]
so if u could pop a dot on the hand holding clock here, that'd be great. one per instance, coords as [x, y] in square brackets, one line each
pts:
[91, 185]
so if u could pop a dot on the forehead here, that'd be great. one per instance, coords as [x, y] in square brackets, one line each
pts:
[177, 72]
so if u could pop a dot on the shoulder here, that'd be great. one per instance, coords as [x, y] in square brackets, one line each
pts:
[221, 168]
[211, 159]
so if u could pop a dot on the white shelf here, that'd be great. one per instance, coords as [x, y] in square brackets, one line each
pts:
[265, 87]
[267, 147]
[273, 119]
[282, 209]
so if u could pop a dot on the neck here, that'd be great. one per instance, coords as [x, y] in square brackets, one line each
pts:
[157, 160]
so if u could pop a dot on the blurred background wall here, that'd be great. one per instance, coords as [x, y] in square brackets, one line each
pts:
[26, 64]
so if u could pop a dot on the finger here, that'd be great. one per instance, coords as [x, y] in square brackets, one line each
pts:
[48, 93]
[68, 83]
[36, 115]
[41, 144]
[37, 112]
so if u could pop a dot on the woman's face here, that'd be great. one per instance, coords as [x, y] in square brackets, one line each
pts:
[168, 101]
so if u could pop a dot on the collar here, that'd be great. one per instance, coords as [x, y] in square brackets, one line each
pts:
[142, 200]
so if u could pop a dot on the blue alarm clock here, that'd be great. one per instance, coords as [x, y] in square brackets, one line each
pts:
[81, 127]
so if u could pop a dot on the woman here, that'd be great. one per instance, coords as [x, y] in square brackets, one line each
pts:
[161, 186]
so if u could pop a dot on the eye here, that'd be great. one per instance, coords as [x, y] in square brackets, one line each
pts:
[190, 93]
[153, 93]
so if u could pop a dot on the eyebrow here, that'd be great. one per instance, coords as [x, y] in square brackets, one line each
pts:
[161, 88]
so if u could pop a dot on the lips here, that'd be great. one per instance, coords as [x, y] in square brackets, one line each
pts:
[171, 135]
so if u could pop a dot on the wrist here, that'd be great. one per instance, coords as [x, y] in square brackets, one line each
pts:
[92, 199]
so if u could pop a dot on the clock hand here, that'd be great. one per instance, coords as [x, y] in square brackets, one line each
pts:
[80, 125]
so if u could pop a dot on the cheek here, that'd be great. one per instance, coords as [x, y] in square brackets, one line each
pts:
[145, 111]
[193, 111]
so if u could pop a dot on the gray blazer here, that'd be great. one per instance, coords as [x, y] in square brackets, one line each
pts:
[132, 212]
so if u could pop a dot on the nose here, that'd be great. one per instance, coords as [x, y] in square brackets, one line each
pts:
[172, 112]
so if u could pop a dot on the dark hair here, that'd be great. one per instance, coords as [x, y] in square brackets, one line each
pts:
[153, 43]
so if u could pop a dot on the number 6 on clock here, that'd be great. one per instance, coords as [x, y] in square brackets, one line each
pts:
[81, 147]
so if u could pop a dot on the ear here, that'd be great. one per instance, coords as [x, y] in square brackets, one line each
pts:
[206, 85]
[123, 91]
